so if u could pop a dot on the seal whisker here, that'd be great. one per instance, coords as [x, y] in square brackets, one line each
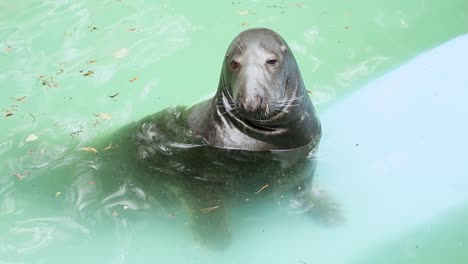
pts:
[241, 44]
[238, 47]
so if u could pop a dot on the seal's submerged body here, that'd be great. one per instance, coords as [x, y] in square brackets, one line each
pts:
[256, 136]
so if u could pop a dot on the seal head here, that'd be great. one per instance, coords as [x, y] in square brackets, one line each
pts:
[261, 102]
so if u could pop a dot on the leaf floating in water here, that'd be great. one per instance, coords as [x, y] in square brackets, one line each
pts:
[110, 147]
[91, 61]
[103, 116]
[19, 176]
[276, 6]
[47, 83]
[92, 28]
[57, 194]
[120, 54]
[20, 99]
[96, 123]
[244, 24]
[263, 187]
[114, 95]
[89, 73]
[9, 112]
[89, 149]
[244, 12]
[209, 209]
[133, 79]
[31, 138]
[74, 133]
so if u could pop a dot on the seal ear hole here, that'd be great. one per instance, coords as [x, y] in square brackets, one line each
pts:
[272, 62]
[234, 65]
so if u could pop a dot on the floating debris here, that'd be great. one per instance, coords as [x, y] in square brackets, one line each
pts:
[91, 61]
[74, 133]
[133, 79]
[96, 123]
[114, 95]
[9, 111]
[209, 209]
[125, 207]
[308, 91]
[114, 213]
[92, 183]
[110, 147]
[89, 73]
[103, 116]
[244, 24]
[31, 138]
[59, 72]
[92, 28]
[45, 82]
[19, 176]
[57, 194]
[263, 187]
[20, 99]
[120, 54]
[277, 6]
[89, 149]
[245, 12]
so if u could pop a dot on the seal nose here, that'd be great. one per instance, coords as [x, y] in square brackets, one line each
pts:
[251, 105]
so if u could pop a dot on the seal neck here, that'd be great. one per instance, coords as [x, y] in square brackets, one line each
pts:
[294, 126]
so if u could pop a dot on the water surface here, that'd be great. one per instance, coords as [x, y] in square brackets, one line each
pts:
[76, 71]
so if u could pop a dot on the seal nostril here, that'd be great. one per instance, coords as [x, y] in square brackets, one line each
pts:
[260, 104]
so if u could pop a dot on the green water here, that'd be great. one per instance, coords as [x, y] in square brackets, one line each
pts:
[150, 55]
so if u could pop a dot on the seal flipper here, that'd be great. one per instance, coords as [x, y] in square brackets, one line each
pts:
[210, 226]
[208, 215]
[319, 205]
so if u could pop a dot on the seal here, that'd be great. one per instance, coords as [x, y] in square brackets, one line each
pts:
[256, 138]
[261, 102]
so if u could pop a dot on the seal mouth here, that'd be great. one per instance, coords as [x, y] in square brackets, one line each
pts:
[262, 126]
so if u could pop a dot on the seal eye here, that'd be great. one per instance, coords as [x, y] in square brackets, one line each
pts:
[272, 62]
[234, 65]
